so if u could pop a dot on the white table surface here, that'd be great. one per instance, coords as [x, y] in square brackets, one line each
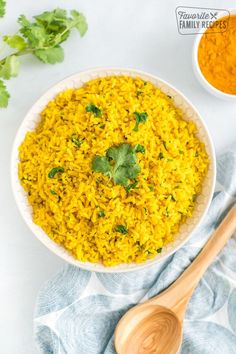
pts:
[124, 33]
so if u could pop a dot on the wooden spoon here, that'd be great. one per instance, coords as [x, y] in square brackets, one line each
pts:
[156, 326]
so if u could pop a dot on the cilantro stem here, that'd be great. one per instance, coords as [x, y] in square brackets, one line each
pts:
[17, 54]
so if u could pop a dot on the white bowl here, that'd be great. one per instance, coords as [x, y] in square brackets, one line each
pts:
[201, 78]
[190, 113]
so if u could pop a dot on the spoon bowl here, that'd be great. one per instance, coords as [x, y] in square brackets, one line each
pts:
[152, 333]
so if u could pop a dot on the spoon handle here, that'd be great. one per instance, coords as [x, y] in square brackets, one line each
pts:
[181, 290]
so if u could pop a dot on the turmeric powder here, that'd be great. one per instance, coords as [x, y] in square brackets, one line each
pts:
[217, 57]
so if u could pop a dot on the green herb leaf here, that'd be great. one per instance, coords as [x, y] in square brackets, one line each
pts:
[94, 109]
[139, 118]
[122, 229]
[139, 148]
[173, 198]
[80, 22]
[131, 186]
[50, 55]
[101, 214]
[54, 171]
[53, 192]
[101, 164]
[159, 250]
[15, 41]
[76, 140]
[10, 67]
[22, 20]
[2, 8]
[4, 95]
[49, 18]
[120, 164]
[35, 35]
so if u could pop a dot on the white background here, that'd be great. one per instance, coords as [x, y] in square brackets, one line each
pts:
[140, 34]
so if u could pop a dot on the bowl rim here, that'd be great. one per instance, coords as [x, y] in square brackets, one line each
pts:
[61, 252]
[206, 84]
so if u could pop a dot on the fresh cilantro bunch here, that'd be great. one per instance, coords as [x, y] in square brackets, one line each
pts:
[41, 37]
[119, 164]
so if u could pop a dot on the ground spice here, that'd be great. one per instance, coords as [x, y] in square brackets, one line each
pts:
[217, 57]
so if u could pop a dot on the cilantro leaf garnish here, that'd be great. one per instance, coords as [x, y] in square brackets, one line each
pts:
[139, 148]
[120, 164]
[139, 118]
[4, 95]
[101, 214]
[15, 41]
[53, 192]
[94, 109]
[10, 67]
[101, 164]
[121, 229]
[54, 171]
[50, 55]
[80, 22]
[2, 8]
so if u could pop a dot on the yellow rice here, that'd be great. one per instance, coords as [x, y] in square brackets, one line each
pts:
[167, 186]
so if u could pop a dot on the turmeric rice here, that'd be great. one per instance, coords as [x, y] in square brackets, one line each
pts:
[94, 217]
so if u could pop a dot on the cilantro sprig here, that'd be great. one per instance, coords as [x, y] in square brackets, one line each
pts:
[41, 37]
[119, 164]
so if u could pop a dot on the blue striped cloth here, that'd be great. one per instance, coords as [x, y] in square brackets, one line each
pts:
[77, 311]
